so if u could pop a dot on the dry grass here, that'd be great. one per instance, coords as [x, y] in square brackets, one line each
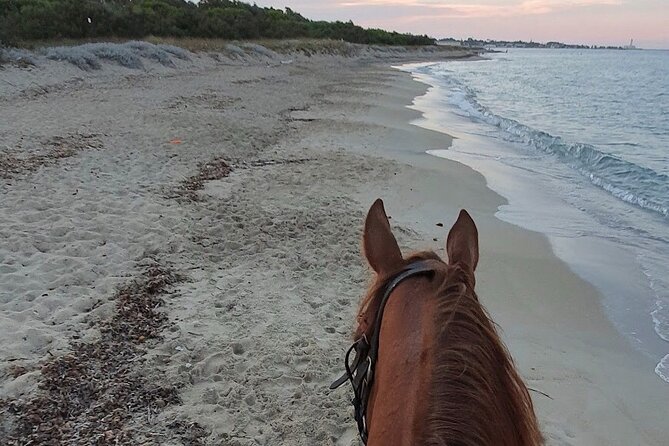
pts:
[48, 43]
[16, 57]
[195, 44]
[307, 46]
[217, 47]
[310, 47]
[304, 46]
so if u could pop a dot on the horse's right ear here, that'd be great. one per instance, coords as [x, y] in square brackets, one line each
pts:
[462, 245]
[378, 242]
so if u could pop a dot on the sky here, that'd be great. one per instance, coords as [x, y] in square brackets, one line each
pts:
[592, 22]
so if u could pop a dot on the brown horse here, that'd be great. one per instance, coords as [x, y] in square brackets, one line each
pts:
[430, 368]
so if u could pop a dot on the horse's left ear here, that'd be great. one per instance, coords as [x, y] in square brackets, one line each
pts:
[462, 244]
[378, 242]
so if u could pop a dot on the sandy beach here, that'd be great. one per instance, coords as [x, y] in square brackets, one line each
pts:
[180, 259]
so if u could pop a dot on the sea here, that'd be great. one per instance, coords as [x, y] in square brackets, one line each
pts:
[577, 141]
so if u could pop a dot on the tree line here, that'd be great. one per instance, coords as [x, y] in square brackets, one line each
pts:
[22, 20]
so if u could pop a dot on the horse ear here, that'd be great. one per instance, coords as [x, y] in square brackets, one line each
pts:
[378, 242]
[462, 244]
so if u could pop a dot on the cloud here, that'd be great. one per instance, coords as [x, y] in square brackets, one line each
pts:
[471, 10]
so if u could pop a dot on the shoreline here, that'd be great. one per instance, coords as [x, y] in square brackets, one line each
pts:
[534, 207]
[592, 341]
[268, 285]
[591, 351]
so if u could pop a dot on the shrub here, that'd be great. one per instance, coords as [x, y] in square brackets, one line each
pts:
[16, 57]
[90, 55]
[48, 19]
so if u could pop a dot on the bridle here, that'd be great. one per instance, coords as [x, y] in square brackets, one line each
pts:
[361, 371]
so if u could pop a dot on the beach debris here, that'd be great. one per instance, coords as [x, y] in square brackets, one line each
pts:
[211, 100]
[175, 141]
[271, 162]
[293, 119]
[217, 169]
[254, 80]
[214, 169]
[16, 370]
[88, 395]
[540, 392]
[13, 162]
[190, 433]
[441, 225]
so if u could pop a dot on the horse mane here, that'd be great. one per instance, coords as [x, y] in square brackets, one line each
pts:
[477, 397]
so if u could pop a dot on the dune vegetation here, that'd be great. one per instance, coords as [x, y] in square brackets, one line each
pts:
[29, 20]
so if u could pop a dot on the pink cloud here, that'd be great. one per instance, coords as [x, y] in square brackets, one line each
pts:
[464, 10]
[576, 21]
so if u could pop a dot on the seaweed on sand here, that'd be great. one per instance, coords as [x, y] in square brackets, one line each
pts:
[54, 150]
[87, 396]
[214, 169]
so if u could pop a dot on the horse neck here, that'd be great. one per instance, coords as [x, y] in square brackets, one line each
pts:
[430, 385]
[398, 400]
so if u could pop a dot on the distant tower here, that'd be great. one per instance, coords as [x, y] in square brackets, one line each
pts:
[630, 46]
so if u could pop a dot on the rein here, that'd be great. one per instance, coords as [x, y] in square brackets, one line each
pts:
[360, 372]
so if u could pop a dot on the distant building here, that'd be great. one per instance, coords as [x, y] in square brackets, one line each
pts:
[489, 43]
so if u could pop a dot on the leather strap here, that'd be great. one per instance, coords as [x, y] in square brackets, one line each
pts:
[360, 372]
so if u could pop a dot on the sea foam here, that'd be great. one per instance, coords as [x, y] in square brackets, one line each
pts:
[627, 181]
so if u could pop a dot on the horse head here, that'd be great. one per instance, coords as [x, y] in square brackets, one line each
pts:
[429, 366]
